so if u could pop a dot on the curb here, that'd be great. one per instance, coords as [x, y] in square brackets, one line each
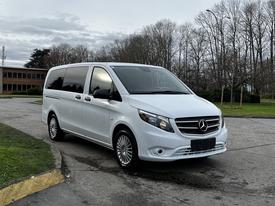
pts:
[29, 186]
[57, 156]
[35, 183]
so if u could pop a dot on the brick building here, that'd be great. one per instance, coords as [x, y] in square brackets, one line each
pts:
[14, 79]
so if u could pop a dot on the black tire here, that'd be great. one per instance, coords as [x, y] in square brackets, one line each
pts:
[55, 133]
[134, 161]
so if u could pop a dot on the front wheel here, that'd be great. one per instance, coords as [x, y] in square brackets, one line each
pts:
[126, 150]
[55, 133]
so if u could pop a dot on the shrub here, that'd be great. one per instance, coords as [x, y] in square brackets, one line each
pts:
[35, 91]
[19, 93]
[254, 98]
[215, 96]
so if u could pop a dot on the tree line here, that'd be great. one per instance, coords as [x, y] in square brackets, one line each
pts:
[230, 47]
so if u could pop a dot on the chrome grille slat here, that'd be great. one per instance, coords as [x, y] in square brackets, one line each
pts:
[188, 151]
[189, 125]
[211, 120]
[186, 121]
[215, 125]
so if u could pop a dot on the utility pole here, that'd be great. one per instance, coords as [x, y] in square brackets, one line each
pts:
[3, 56]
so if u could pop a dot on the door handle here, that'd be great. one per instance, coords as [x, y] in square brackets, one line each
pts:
[77, 97]
[88, 99]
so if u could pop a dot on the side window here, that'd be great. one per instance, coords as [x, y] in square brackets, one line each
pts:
[100, 80]
[55, 79]
[74, 80]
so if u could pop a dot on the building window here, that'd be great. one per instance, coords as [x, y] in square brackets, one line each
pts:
[19, 75]
[19, 87]
[14, 75]
[9, 87]
[37, 76]
[24, 75]
[9, 75]
[42, 76]
[24, 88]
[33, 76]
[5, 87]
[14, 87]
[5, 74]
[28, 87]
[29, 76]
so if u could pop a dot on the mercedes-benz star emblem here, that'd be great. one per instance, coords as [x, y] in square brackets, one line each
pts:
[203, 126]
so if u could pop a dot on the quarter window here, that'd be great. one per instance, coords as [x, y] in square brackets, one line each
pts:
[74, 80]
[55, 79]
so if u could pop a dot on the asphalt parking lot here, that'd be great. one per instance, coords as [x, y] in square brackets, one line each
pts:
[244, 175]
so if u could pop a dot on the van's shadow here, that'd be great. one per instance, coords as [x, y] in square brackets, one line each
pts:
[200, 173]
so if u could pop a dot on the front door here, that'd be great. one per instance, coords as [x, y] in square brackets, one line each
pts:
[95, 111]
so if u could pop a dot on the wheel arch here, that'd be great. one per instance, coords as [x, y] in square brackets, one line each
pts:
[49, 115]
[119, 127]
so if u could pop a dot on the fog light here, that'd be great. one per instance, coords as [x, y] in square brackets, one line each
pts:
[158, 151]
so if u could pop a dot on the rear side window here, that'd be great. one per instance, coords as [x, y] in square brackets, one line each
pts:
[74, 80]
[55, 79]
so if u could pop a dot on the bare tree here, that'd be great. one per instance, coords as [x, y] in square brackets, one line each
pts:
[230, 46]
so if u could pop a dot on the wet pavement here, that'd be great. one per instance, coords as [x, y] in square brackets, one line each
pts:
[244, 175]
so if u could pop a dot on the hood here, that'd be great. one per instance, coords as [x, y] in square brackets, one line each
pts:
[174, 106]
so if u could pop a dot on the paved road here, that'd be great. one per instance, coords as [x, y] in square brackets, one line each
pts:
[242, 176]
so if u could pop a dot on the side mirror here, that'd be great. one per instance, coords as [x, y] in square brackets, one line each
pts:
[102, 94]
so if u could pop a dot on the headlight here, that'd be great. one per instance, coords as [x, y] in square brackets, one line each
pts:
[156, 120]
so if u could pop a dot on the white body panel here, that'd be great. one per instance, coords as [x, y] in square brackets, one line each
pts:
[96, 119]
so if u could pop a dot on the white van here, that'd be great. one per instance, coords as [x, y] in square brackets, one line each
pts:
[141, 112]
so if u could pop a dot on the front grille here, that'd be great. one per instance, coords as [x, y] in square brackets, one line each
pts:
[190, 125]
[188, 151]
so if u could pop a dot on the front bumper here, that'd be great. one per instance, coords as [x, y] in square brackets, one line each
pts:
[161, 146]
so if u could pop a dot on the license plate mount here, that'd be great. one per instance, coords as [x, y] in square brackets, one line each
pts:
[203, 144]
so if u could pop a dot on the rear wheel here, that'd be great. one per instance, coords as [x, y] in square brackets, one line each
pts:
[55, 133]
[126, 150]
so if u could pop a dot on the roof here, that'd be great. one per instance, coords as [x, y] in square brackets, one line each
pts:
[104, 64]
[24, 68]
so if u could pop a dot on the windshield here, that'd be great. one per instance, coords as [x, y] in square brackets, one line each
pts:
[149, 80]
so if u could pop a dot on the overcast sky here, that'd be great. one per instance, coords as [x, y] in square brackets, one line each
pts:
[29, 24]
